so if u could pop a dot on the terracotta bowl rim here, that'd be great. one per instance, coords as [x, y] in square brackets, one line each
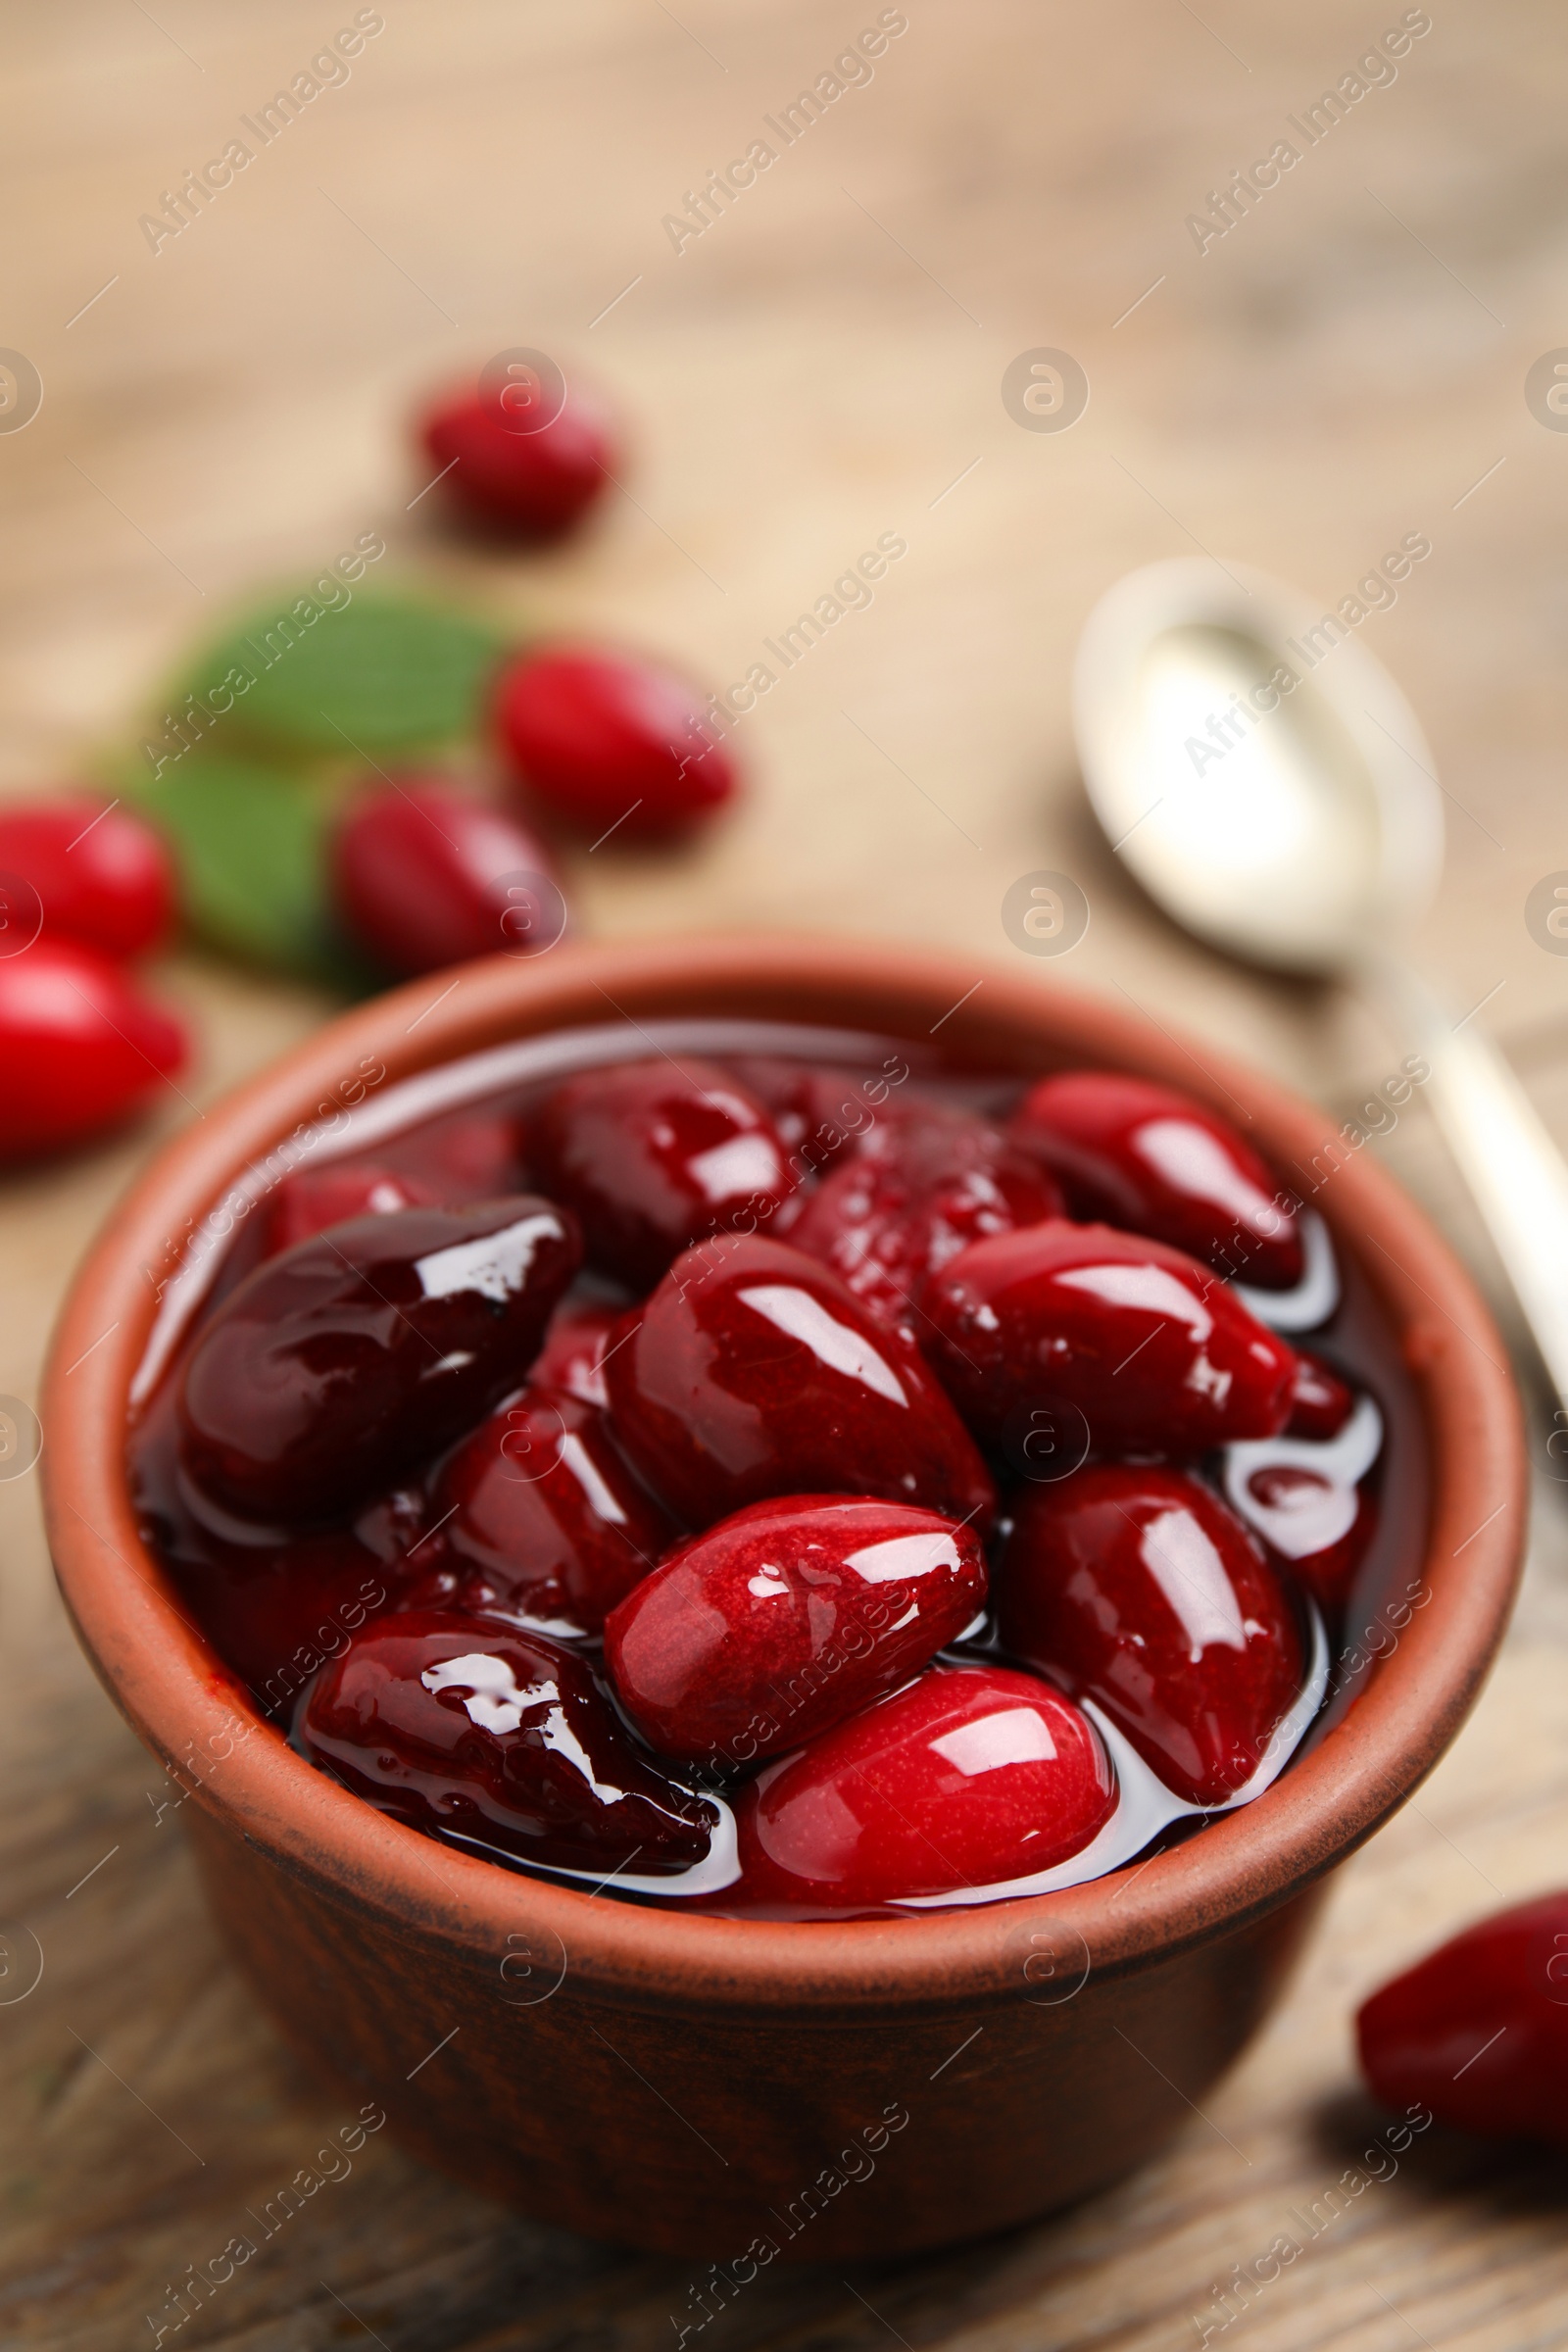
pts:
[185, 1704]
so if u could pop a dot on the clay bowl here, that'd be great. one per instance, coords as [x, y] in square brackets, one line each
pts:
[746, 2091]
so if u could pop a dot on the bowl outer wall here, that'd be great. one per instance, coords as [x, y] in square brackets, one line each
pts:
[175, 1692]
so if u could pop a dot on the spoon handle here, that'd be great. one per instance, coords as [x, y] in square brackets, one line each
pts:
[1514, 1169]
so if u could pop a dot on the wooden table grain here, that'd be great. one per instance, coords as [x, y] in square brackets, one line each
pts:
[821, 365]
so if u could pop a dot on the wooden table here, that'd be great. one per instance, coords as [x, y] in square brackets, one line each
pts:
[821, 365]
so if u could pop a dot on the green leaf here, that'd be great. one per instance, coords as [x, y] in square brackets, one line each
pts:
[382, 673]
[250, 844]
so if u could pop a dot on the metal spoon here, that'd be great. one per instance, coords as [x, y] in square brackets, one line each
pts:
[1270, 787]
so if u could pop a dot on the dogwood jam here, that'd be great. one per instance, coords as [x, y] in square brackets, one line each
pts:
[780, 1472]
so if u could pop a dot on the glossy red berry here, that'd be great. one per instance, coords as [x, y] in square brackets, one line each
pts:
[461, 1156]
[89, 870]
[333, 1371]
[1320, 1402]
[1314, 1527]
[821, 1113]
[968, 1777]
[1152, 1348]
[425, 876]
[575, 1346]
[277, 1612]
[602, 740]
[484, 1732]
[80, 1047]
[541, 1519]
[1477, 2033]
[652, 1155]
[752, 1371]
[275, 1608]
[532, 482]
[921, 1188]
[1136, 1587]
[312, 1200]
[754, 1637]
[1151, 1160]
[446, 1162]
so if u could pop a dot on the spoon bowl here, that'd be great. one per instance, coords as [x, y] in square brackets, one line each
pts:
[1256, 769]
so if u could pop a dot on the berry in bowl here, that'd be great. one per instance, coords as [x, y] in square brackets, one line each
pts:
[708, 1521]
